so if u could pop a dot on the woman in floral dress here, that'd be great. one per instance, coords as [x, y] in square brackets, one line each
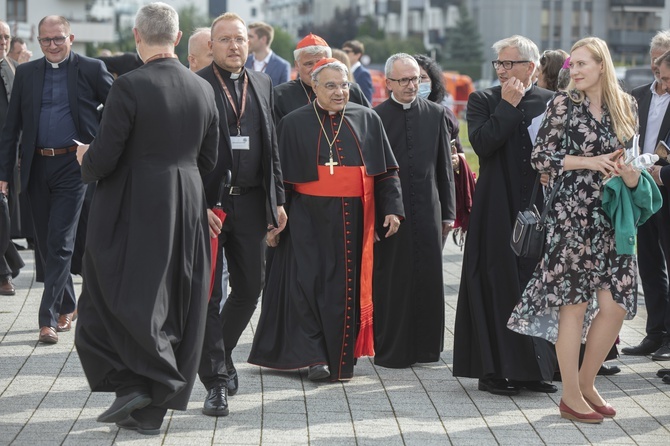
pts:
[581, 289]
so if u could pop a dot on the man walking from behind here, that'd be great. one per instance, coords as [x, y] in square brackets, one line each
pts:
[262, 58]
[144, 297]
[55, 100]
[408, 284]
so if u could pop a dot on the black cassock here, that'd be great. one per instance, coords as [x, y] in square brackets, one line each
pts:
[408, 282]
[310, 309]
[294, 94]
[493, 277]
[147, 259]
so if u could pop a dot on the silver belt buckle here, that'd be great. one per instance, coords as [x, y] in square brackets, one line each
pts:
[45, 152]
[234, 190]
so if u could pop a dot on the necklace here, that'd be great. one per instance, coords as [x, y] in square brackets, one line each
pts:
[309, 98]
[330, 162]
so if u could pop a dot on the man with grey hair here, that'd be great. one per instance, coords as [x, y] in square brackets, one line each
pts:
[199, 53]
[145, 288]
[409, 287]
[294, 94]
[653, 238]
[493, 278]
[339, 168]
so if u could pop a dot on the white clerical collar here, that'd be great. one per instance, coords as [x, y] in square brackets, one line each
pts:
[528, 89]
[356, 65]
[56, 65]
[235, 76]
[404, 105]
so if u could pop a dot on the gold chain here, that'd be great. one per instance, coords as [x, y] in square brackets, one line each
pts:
[330, 143]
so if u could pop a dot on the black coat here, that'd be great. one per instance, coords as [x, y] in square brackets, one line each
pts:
[261, 87]
[147, 261]
[408, 282]
[493, 278]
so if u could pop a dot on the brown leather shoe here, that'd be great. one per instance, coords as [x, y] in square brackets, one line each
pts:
[48, 335]
[64, 322]
[6, 287]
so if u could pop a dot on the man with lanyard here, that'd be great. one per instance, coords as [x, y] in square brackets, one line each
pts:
[248, 150]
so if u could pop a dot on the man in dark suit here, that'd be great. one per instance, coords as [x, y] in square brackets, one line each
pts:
[55, 100]
[10, 259]
[253, 201]
[653, 241]
[262, 58]
[498, 121]
[355, 51]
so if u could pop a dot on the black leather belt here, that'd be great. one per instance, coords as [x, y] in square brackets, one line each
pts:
[237, 190]
[55, 152]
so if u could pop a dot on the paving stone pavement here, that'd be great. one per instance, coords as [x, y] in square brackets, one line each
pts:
[45, 399]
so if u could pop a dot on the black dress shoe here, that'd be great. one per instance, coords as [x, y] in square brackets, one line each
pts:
[123, 406]
[663, 353]
[535, 386]
[318, 372]
[666, 379]
[608, 370]
[662, 372]
[132, 424]
[216, 403]
[646, 347]
[497, 386]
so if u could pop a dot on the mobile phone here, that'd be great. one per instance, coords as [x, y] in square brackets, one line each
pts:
[663, 151]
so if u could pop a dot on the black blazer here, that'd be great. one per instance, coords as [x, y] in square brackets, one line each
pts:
[643, 97]
[88, 84]
[261, 87]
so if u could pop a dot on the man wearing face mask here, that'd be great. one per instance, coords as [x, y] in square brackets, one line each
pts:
[408, 284]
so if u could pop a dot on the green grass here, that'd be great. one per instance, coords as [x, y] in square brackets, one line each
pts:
[470, 155]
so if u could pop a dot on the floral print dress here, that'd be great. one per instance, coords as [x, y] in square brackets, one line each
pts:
[580, 255]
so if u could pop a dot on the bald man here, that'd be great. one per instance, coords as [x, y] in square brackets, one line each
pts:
[199, 54]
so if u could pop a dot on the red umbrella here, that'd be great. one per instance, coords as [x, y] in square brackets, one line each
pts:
[214, 241]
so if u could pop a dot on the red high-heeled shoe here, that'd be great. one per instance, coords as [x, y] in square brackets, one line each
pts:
[567, 413]
[606, 410]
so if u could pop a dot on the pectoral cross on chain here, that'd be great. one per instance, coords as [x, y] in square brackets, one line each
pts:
[330, 164]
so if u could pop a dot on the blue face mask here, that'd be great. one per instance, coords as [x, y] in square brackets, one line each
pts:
[424, 90]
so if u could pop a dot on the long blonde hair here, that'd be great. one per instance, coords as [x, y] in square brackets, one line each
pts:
[618, 102]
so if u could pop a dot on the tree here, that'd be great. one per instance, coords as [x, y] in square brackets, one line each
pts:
[283, 44]
[462, 49]
[343, 27]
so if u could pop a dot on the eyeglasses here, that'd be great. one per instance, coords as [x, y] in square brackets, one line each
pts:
[405, 81]
[332, 86]
[506, 64]
[239, 41]
[5, 37]
[46, 41]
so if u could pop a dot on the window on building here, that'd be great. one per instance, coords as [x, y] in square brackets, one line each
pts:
[253, 12]
[16, 11]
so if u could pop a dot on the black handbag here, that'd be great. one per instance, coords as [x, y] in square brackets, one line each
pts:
[528, 235]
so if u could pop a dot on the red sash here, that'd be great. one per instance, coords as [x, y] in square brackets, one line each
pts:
[353, 182]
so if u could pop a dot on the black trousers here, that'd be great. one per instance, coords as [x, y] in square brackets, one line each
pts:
[56, 192]
[241, 239]
[653, 249]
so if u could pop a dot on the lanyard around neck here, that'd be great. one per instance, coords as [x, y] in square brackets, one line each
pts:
[238, 116]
